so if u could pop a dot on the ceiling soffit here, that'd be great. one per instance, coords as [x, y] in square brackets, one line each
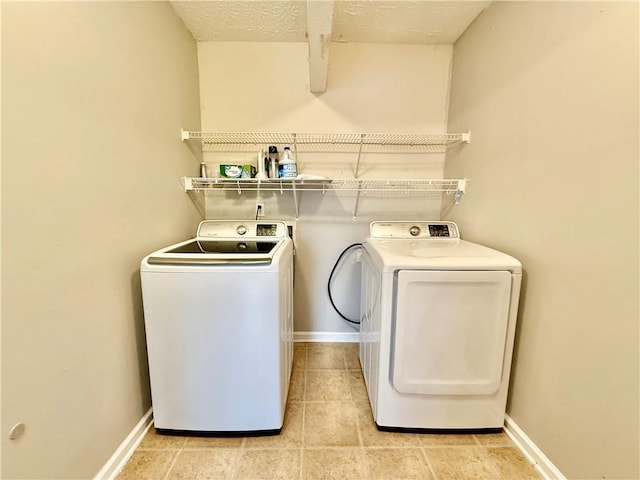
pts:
[320, 22]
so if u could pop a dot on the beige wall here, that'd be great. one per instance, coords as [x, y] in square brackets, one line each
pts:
[550, 93]
[93, 98]
[251, 87]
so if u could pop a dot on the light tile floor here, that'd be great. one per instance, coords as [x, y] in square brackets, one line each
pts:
[328, 433]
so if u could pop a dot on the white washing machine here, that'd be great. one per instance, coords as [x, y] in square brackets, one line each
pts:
[438, 318]
[218, 313]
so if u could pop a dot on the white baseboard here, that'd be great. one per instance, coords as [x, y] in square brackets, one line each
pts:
[329, 337]
[542, 464]
[120, 457]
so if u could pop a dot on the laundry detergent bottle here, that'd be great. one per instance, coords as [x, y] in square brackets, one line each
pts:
[288, 166]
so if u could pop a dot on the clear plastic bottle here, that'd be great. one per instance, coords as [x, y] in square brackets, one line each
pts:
[288, 166]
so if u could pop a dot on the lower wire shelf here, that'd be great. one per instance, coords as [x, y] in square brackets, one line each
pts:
[356, 187]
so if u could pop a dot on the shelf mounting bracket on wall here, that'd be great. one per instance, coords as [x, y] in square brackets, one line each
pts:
[357, 201]
[295, 199]
[462, 187]
[359, 155]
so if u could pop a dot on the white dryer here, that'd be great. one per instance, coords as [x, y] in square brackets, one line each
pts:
[218, 312]
[438, 318]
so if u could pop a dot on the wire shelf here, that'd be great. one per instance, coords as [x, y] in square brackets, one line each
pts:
[352, 187]
[364, 187]
[358, 143]
[389, 139]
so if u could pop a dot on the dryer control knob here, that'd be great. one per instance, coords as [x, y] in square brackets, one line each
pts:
[241, 230]
[415, 230]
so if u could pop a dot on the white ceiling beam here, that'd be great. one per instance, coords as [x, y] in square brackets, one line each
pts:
[319, 25]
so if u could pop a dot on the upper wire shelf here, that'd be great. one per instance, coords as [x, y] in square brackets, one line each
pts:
[396, 139]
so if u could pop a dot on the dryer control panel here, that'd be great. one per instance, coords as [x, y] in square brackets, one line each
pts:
[417, 230]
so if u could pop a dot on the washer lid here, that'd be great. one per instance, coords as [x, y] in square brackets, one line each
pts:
[199, 246]
[203, 251]
[226, 242]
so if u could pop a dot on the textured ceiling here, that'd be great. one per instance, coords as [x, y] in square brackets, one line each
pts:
[368, 21]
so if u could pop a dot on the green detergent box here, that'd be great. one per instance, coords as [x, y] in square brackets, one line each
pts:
[248, 171]
[237, 171]
[230, 171]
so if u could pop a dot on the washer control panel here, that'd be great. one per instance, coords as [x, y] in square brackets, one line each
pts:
[414, 230]
[241, 229]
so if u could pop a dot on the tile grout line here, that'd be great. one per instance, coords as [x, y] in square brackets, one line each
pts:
[239, 453]
[361, 449]
[304, 413]
[173, 462]
[428, 462]
[301, 457]
[236, 458]
[363, 452]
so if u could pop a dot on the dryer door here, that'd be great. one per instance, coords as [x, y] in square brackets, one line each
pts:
[450, 331]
